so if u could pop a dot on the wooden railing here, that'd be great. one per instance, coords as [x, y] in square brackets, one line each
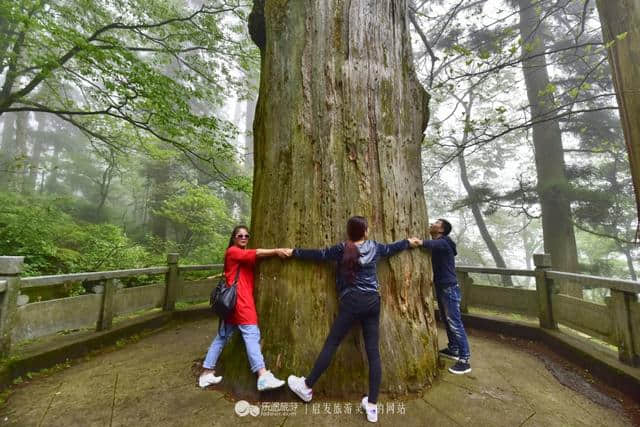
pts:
[21, 321]
[617, 322]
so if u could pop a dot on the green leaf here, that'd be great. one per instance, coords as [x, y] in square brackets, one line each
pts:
[622, 36]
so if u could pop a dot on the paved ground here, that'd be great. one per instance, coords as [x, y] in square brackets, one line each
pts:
[150, 383]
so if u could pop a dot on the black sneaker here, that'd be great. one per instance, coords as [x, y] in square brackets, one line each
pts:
[461, 367]
[445, 352]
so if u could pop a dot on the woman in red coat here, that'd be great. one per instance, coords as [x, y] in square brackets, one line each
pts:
[241, 261]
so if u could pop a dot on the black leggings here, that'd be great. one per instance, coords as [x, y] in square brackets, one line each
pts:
[365, 307]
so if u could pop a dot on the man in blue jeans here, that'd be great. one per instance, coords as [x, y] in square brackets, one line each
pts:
[443, 252]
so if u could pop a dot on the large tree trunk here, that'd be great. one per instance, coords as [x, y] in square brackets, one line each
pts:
[338, 127]
[553, 186]
[621, 32]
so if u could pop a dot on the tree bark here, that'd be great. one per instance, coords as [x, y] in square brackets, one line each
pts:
[622, 19]
[553, 186]
[338, 127]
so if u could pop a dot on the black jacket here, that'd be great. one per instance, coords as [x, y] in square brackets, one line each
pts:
[366, 276]
[443, 252]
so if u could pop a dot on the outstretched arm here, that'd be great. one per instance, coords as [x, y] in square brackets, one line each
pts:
[333, 253]
[435, 245]
[263, 253]
[385, 250]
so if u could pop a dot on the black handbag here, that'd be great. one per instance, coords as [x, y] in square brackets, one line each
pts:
[223, 297]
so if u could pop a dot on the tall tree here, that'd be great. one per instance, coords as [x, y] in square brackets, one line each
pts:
[7, 150]
[338, 128]
[621, 32]
[553, 186]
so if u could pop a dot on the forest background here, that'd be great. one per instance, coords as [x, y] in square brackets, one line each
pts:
[125, 132]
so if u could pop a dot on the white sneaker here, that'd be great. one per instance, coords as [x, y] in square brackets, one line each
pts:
[208, 379]
[267, 381]
[299, 387]
[372, 412]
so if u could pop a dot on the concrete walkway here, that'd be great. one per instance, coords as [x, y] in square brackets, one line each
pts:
[150, 383]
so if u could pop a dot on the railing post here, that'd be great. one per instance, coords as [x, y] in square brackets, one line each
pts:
[466, 282]
[10, 269]
[106, 312]
[544, 289]
[172, 281]
[620, 305]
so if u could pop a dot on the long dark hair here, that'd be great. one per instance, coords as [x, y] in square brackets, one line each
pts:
[356, 227]
[231, 240]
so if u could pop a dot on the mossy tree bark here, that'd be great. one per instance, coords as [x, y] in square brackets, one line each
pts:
[338, 127]
[621, 32]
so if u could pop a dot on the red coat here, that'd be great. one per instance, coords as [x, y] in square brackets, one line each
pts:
[244, 259]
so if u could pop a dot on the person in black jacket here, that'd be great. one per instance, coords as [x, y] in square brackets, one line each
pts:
[443, 252]
[357, 288]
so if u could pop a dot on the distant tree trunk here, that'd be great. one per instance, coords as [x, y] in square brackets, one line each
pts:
[248, 138]
[338, 129]
[620, 21]
[553, 186]
[36, 154]
[475, 206]
[480, 222]
[158, 173]
[105, 186]
[527, 244]
[20, 161]
[237, 118]
[52, 184]
[7, 150]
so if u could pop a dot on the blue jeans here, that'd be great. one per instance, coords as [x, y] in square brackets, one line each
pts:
[449, 306]
[251, 337]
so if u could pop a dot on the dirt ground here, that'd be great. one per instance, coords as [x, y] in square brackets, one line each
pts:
[151, 382]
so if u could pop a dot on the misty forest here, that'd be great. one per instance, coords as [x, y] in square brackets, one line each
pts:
[126, 132]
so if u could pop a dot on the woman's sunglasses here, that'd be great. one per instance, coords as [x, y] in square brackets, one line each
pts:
[242, 236]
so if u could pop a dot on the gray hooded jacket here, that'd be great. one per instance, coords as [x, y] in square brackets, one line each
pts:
[366, 278]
